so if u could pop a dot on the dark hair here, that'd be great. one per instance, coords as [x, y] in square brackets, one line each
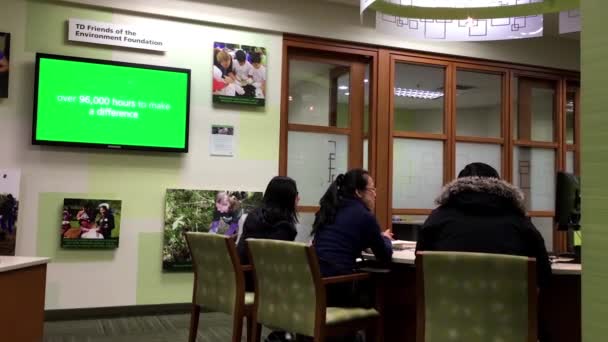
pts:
[256, 58]
[478, 170]
[345, 186]
[279, 202]
[240, 56]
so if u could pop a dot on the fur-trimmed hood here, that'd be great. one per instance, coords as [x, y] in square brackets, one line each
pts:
[483, 185]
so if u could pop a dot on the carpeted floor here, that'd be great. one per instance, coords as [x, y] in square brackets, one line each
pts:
[213, 327]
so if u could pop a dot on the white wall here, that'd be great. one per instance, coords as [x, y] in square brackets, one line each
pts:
[139, 179]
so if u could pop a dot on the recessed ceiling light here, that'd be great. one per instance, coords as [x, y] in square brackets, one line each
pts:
[347, 93]
[343, 87]
[366, 80]
[418, 93]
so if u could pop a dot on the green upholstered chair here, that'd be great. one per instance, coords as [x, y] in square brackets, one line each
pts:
[219, 283]
[475, 297]
[291, 295]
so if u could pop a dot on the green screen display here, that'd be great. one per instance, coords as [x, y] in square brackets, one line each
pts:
[100, 103]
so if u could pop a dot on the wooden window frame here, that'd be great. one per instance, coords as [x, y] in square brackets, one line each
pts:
[381, 123]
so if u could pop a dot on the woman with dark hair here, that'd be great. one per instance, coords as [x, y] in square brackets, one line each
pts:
[345, 225]
[277, 217]
[479, 212]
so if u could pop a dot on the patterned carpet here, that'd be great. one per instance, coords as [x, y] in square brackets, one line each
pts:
[213, 327]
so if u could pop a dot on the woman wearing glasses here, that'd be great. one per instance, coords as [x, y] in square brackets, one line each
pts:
[344, 226]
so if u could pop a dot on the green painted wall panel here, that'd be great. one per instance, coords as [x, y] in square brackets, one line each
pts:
[594, 163]
[50, 207]
[154, 286]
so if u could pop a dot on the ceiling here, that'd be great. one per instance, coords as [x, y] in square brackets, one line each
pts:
[551, 28]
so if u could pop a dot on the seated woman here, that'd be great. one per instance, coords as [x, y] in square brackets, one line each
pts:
[479, 212]
[275, 219]
[344, 226]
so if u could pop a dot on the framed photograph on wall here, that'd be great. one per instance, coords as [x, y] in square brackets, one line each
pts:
[219, 212]
[5, 52]
[90, 223]
[9, 206]
[239, 74]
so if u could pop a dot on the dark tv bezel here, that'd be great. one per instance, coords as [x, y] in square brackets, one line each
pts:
[36, 141]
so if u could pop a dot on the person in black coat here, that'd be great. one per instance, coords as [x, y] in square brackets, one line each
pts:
[105, 223]
[277, 217]
[344, 226]
[479, 212]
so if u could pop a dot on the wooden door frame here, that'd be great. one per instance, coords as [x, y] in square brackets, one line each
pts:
[356, 59]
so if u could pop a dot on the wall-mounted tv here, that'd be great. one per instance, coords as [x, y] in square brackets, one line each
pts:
[96, 103]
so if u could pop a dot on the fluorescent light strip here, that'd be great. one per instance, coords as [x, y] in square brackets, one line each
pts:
[418, 93]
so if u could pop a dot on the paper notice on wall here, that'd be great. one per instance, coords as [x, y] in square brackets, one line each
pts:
[137, 37]
[222, 141]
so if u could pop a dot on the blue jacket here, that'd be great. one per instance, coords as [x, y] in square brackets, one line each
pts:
[339, 244]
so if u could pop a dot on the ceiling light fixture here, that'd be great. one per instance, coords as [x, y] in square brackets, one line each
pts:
[418, 93]
[343, 87]
[347, 93]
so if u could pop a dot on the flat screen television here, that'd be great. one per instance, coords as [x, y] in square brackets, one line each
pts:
[97, 103]
[567, 201]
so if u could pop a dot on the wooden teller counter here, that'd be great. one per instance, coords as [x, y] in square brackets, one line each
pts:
[559, 304]
[22, 286]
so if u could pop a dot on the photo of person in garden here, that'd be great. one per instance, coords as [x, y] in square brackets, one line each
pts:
[219, 212]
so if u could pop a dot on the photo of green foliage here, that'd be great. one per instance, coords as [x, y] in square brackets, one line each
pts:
[213, 211]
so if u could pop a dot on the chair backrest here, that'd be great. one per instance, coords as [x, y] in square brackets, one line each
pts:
[288, 286]
[219, 283]
[475, 297]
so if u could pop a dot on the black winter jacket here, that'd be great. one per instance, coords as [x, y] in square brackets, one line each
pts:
[484, 215]
[257, 227]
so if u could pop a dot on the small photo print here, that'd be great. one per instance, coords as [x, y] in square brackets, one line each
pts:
[90, 223]
[213, 211]
[5, 51]
[239, 74]
[222, 130]
[9, 207]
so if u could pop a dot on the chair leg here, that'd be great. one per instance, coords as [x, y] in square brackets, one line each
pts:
[319, 336]
[196, 311]
[254, 331]
[380, 329]
[237, 328]
[374, 331]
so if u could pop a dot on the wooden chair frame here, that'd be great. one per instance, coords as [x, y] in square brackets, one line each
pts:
[532, 300]
[372, 326]
[240, 309]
